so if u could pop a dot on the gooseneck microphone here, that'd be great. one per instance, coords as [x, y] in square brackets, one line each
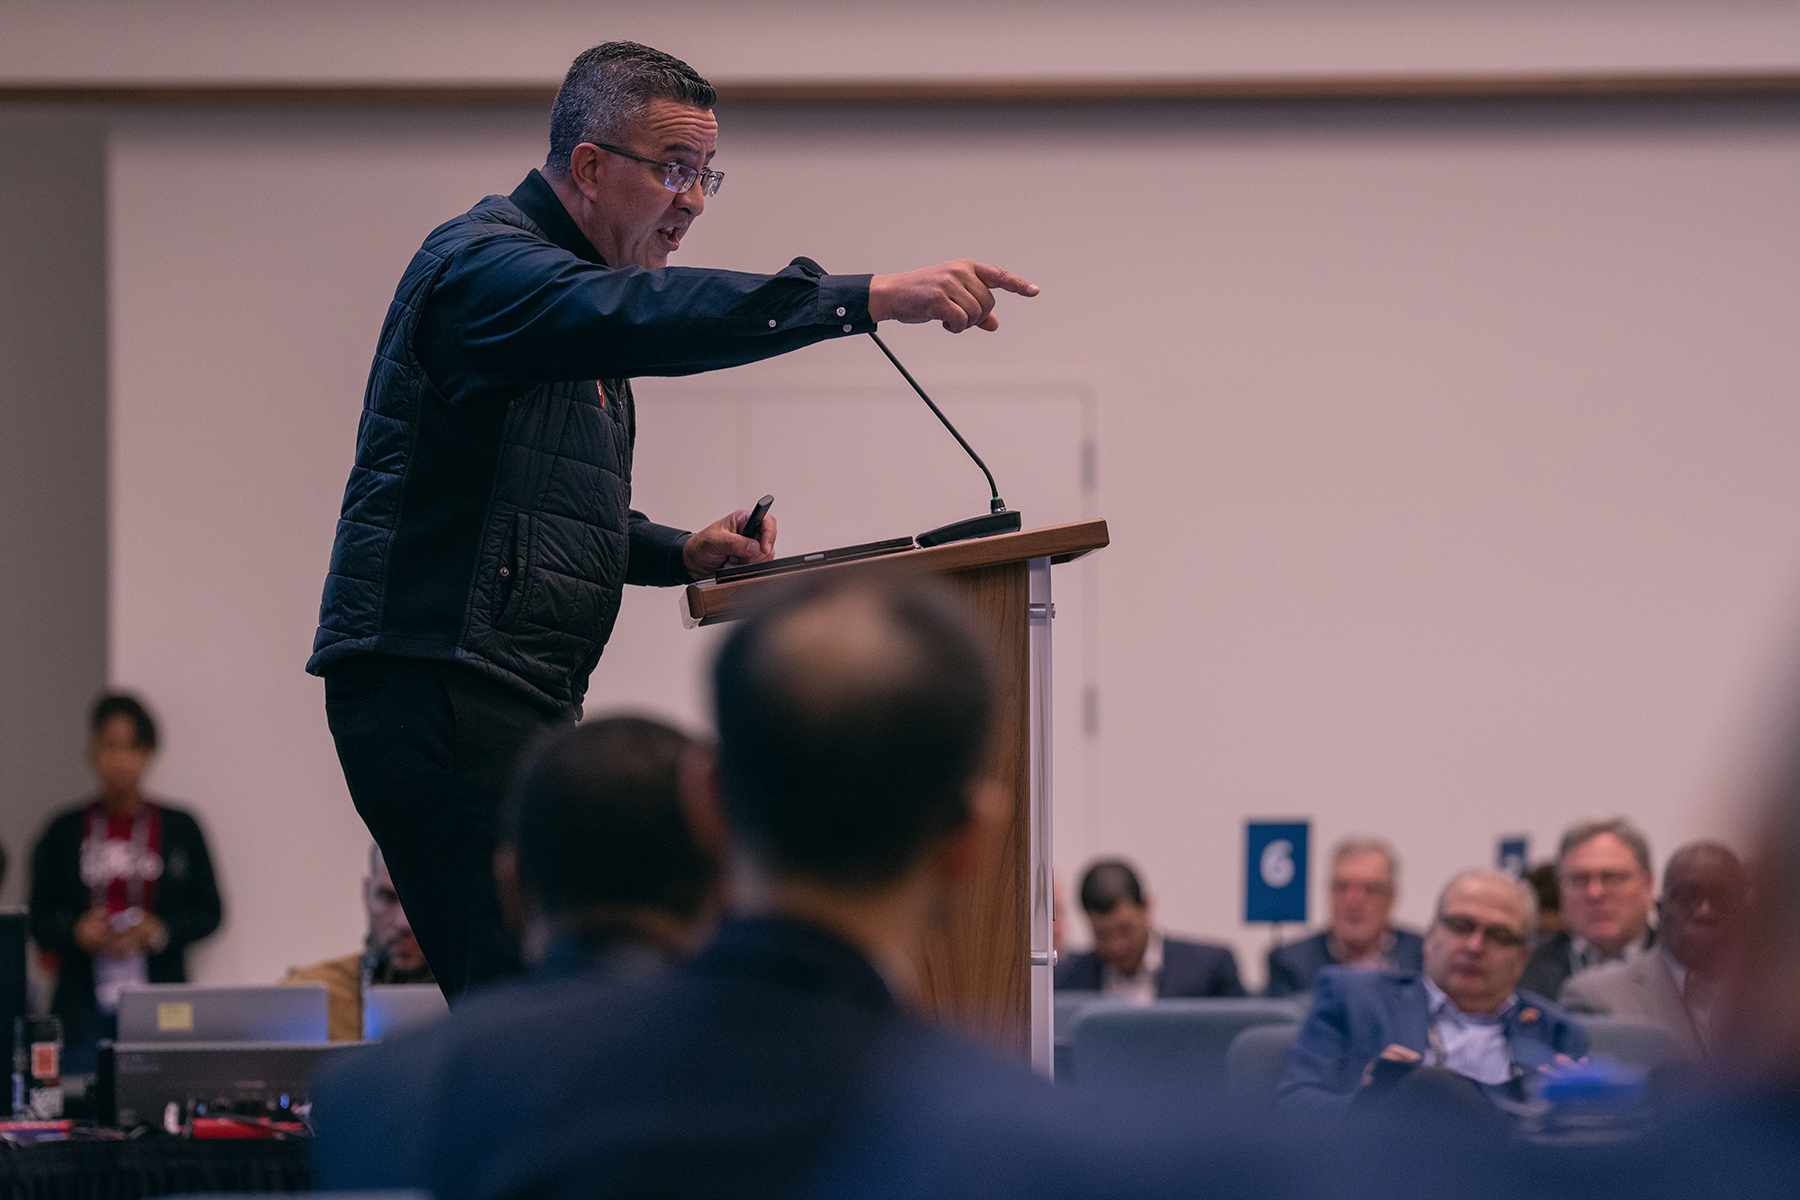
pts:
[999, 518]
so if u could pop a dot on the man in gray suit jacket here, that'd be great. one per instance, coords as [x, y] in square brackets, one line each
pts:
[1700, 916]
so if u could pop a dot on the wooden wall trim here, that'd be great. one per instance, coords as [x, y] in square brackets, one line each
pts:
[962, 93]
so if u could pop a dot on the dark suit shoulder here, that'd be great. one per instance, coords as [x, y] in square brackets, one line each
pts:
[1357, 982]
[1185, 946]
[1079, 972]
[1197, 969]
[1549, 965]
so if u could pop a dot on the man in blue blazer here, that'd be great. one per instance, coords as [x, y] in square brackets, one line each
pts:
[1364, 883]
[1463, 1015]
[1130, 959]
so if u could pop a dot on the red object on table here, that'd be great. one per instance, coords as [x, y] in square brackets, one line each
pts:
[244, 1127]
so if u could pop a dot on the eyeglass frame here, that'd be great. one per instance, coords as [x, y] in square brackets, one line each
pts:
[1609, 881]
[1500, 937]
[710, 181]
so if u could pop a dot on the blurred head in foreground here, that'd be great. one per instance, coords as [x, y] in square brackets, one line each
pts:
[853, 718]
[597, 846]
[1762, 1029]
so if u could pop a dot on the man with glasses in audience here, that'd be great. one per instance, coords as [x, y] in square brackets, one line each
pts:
[1461, 1033]
[1364, 883]
[1678, 987]
[1603, 875]
[487, 528]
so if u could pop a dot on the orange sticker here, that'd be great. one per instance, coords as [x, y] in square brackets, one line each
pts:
[43, 1060]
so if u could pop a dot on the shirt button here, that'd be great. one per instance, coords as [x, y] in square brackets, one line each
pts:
[846, 329]
[840, 312]
[771, 323]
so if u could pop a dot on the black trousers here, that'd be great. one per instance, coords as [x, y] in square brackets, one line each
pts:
[427, 749]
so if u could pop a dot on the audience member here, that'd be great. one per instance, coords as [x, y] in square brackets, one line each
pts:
[1131, 960]
[604, 884]
[120, 885]
[1365, 876]
[853, 721]
[1462, 1030]
[1700, 923]
[390, 955]
[1603, 877]
[1542, 879]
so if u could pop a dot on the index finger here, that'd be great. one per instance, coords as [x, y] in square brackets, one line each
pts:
[1000, 277]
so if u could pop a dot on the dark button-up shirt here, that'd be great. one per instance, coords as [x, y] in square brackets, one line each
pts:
[507, 315]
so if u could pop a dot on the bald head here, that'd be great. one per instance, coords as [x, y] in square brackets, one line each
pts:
[1480, 940]
[853, 716]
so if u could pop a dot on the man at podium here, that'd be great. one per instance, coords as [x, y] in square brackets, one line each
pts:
[487, 526]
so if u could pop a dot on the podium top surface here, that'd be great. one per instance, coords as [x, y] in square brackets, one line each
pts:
[709, 602]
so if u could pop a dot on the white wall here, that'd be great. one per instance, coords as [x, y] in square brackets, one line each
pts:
[1445, 453]
[532, 40]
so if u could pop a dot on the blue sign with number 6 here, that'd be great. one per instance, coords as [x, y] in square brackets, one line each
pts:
[1275, 870]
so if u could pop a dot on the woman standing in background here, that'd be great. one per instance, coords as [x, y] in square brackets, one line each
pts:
[120, 885]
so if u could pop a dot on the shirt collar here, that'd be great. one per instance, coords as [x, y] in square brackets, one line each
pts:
[1153, 954]
[791, 954]
[1584, 954]
[609, 951]
[1147, 969]
[1340, 953]
[539, 201]
[1439, 1004]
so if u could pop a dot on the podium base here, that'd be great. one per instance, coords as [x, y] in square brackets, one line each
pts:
[987, 525]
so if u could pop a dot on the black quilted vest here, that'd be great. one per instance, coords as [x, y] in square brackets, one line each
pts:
[495, 536]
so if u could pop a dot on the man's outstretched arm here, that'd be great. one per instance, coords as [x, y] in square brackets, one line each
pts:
[960, 294]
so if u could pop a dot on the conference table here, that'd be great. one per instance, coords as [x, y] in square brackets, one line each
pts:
[153, 1165]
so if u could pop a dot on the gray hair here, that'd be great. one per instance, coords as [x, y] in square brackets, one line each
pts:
[1619, 827]
[1526, 893]
[609, 87]
[1360, 844]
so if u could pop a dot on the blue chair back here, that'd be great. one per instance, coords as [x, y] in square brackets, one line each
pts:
[1172, 1047]
[1069, 1005]
[1634, 1043]
[1254, 1063]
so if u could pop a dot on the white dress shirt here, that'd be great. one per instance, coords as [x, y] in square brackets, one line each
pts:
[1474, 1044]
[1141, 987]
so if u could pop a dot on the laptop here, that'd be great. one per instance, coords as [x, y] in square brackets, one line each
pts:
[187, 1012]
[392, 1008]
[139, 1080]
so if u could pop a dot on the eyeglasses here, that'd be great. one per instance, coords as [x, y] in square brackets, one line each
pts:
[1609, 881]
[680, 176]
[1343, 887]
[1498, 936]
[1689, 898]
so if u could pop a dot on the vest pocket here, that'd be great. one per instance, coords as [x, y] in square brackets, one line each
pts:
[515, 562]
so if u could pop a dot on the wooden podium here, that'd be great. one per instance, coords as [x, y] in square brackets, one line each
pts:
[988, 968]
